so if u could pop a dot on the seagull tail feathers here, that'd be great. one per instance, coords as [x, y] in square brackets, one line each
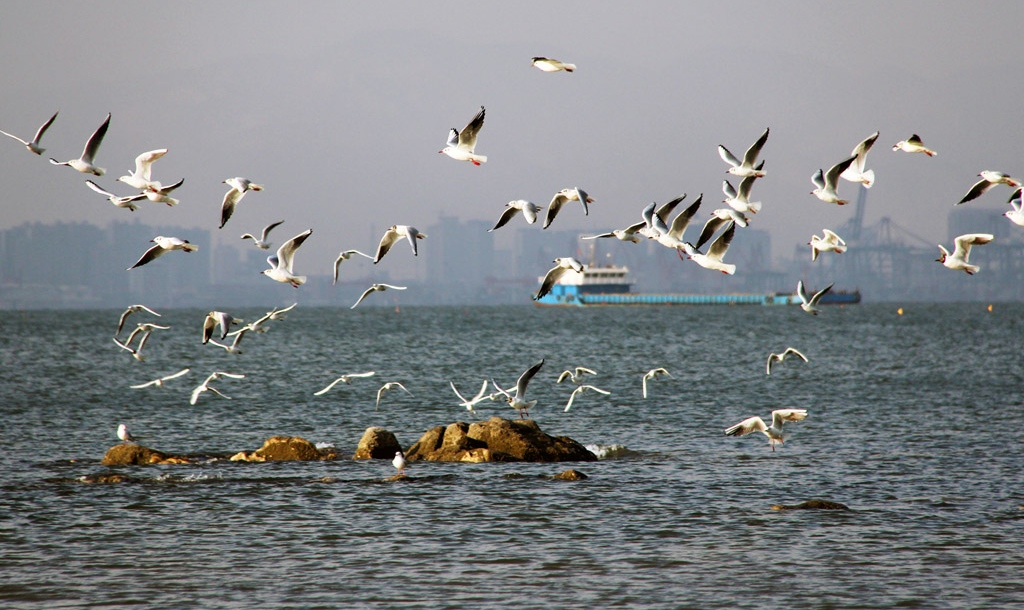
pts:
[869, 178]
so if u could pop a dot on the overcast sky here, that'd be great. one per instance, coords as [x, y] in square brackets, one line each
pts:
[340, 108]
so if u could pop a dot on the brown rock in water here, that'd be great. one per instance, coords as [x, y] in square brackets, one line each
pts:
[103, 479]
[570, 475]
[286, 448]
[812, 505]
[127, 454]
[496, 440]
[377, 444]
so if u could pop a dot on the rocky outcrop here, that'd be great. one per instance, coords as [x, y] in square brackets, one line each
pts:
[570, 475]
[812, 505]
[128, 454]
[496, 440]
[284, 448]
[377, 444]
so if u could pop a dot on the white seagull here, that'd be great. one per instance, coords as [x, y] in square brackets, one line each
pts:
[989, 179]
[773, 358]
[33, 145]
[132, 309]
[159, 382]
[214, 319]
[462, 144]
[856, 171]
[562, 266]
[577, 375]
[913, 144]
[528, 208]
[390, 386]
[519, 402]
[958, 260]
[470, 402]
[206, 387]
[581, 389]
[164, 245]
[239, 187]
[281, 264]
[739, 199]
[376, 288]
[344, 256]
[346, 379]
[233, 348]
[141, 177]
[810, 305]
[1015, 215]
[830, 242]
[718, 219]
[395, 233]
[158, 193]
[546, 64]
[121, 202]
[651, 374]
[262, 242]
[399, 463]
[124, 435]
[746, 167]
[564, 196]
[136, 352]
[827, 182]
[629, 234]
[672, 236]
[654, 223]
[774, 433]
[84, 163]
[716, 251]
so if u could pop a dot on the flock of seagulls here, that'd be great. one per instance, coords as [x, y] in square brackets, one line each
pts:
[461, 146]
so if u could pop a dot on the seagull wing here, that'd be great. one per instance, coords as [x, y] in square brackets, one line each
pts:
[388, 240]
[779, 416]
[525, 378]
[107, 194]
[572, 397]
[719, 246]
[743, 193]
[364, 295]
[818, 179]
[530, 210]
[790, 350]
[176, 375]
[144, 163]
[727, 156]
[817, 295]
[710, 228]
[267, 229]
[95, 140]
[832, 176]
[750, 157]
[154, 252]
[329, 386]
[964, 243]
[553, 208]
[552, 276]
[509, 213]
[980, 188]
[801, 291]
[467, 137]
[286, 253]
[682, 220]
[752, 424]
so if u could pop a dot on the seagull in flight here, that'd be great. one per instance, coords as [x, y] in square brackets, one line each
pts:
[913, 144]
[528, 208]
[575, 376]
[773, 358]
[746, 167]
[262, 242]
[830, 242]
[214, 319]
[158, 193]
[856, 171]
[546, 64]
[346, 379]
[164, 245]
[562, 266]
[239, 187]
[580, 390]
[33, 145]
[630, 233]
[810, 305]
[344, 256]
[716, 252]
[827, 182]
[84, 163]
[132, 309]
[390, 386]
[958, 260]
[651, 374]
[469, 403]
[142, 176]
[121, 202]
[462, 144]
[565, 196]
[519, 402]
[989, 179]
[774, 433]
[376, 288]
[395, 233]
[281, 264]
[159, 382]
[233, 348]
[1016, 214]
[136, 352]
[739, 199]
[206, 387]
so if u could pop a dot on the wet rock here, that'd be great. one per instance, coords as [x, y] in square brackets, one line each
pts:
[496, 440]
[377, 444]
[127, 454]
[282, 448]
[570, 475]
[103, 479]
[812, 505]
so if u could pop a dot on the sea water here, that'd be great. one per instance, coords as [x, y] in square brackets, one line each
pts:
[915, 422]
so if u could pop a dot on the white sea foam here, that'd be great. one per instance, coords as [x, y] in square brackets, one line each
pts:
[608, 451]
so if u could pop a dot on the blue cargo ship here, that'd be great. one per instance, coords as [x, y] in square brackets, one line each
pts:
[611, 285]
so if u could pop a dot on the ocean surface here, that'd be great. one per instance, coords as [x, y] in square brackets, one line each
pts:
[916, 422]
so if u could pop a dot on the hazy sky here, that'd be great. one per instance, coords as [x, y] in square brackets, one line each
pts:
[340, 108]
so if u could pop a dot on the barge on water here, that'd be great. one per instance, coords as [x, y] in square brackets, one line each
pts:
[610, 285]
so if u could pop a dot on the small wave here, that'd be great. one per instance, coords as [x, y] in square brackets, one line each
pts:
[605, 452]
[324, 445]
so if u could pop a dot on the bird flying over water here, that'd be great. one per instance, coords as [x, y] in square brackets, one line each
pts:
[826, 183]
[121, 202]
[856, 172]
[344, 256]
[33, 144]
[958, 260]
[239, 187]
[773, 358]
[159, 382]
[164, 245]
[462, 144]
[346, 379]
[282, 263]
[580, 390]
[376, 288]
[562, 266]
[564, 196]
[84, 163]
[774, 432]
[810, 305]
[746, 167]
[518, 401]
[262, 242]
[132, 309]
[142, 176]
[989, 180]
[390, 386]
[395, 233]
[528, 208]
[651, 374]
[830, 242]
